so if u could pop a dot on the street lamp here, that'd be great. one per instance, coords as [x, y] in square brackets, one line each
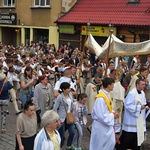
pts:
[88, 26]
[110, 28]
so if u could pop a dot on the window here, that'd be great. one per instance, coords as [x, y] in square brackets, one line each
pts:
[9, 3]
[42, 2]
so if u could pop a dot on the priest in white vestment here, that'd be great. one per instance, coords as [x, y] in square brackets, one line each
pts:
[134, 124]
[92, 89]
[118, 95]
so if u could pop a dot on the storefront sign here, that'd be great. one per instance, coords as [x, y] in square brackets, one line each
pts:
[67, 29]
[97, 30]
[8, 18]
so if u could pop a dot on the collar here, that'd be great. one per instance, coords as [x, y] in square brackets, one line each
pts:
[107, 93]
[139, 92]
[48, 137]
[44, 87]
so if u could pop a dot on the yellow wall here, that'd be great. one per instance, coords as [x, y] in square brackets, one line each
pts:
[53, 35]
[31, 16]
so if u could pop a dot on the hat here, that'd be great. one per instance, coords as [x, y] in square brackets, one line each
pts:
[2, 76]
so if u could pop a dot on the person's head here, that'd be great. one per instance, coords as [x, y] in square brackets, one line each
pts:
[132, 72]
[73, 70]
[33, 56]
[111, 65]
[50, 120]
[143, 71]
[98, 77]
[43, 79]
[68, 43]
[23, 57]
[43, 57]
[113, 74]
[108, 83]
[72, 56]
[27, 63]
[100, 70]
[140, 84]
[15, 57]
[82, 98]
[28, 72]
[9, 62]
[65, 87]
[138, 58]
[67, 73]
[29, 108]
[44, 65]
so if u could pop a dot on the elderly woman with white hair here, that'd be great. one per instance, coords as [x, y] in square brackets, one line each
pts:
[48, 138]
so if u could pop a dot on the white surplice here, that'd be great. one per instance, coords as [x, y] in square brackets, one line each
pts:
[102, 135]
[133, 111]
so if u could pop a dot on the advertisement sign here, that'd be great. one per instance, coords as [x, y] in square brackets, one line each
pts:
[97, 30]
[66, 29]
[8, 18]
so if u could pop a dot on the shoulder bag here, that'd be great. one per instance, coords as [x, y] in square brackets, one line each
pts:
[69, 116]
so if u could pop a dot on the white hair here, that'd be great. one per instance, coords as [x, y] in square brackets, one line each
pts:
[48, 117]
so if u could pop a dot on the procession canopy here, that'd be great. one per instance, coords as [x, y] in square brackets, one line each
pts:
[117, 47]
[93, 46]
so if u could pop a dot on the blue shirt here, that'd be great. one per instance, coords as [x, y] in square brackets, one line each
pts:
[5, 94]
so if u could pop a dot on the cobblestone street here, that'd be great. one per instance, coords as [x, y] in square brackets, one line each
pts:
[7, 140]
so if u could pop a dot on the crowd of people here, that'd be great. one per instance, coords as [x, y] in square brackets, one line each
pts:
[51, 83]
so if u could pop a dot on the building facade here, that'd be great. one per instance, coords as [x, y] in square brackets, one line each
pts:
[130, 20]
[23, 21]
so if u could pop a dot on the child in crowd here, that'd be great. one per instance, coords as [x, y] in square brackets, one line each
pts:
[80, 111]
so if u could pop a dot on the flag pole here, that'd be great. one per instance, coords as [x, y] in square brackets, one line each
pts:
[107, 57]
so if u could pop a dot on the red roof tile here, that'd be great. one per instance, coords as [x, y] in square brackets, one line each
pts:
[117, 12]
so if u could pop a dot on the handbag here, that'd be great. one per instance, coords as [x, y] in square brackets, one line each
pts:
[69, 116]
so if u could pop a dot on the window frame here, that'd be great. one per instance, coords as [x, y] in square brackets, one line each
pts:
[39, 3]
[7, 5]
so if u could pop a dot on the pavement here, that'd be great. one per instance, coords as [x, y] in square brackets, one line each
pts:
[7, 140]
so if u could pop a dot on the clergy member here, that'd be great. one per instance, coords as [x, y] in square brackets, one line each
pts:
[134, 118]
[103, 135]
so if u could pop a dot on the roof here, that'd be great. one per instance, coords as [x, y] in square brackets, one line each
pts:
[117, 12]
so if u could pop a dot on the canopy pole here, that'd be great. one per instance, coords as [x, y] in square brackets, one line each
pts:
[83, 49]
[107, 57]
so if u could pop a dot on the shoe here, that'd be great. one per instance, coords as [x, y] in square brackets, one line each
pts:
[3, 130]
[71, 147]
[7, 112]
[18, 113]
[89, 129]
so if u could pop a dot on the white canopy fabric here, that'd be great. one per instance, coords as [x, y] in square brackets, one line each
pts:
[118, 47]
[93, 46]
